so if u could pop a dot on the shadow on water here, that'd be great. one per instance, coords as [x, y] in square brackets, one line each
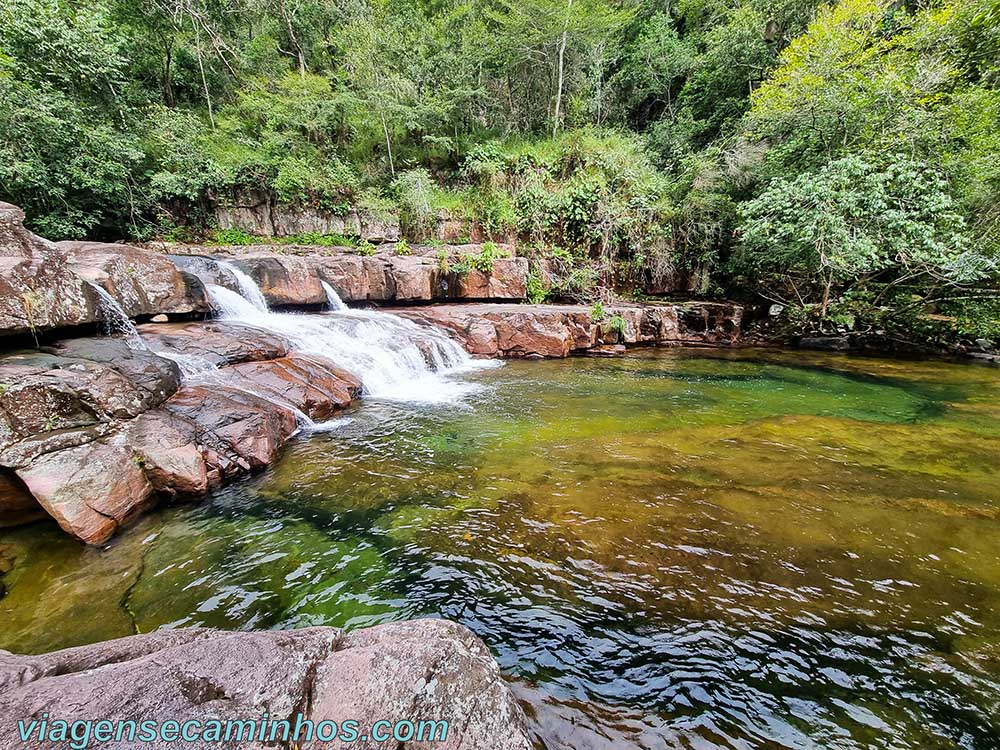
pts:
[676, 549]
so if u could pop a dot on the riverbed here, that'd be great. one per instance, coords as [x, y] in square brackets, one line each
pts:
[679, 548]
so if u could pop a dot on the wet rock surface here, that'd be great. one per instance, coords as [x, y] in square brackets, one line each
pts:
[292, 275]
[416, 671]
[141, 281]
[38, 290]
[92, 433]
[561, 330]
[217, 342]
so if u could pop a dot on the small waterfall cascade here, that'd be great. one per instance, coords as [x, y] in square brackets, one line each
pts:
[395, 358]
[333, 301]
[248, 287]
[115, 320]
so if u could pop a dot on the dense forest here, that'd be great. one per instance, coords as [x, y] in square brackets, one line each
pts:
[841, 161]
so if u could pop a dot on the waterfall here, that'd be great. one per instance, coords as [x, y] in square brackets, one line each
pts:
[333, 301]
[247, 286]
[116, 320]
[394, 358]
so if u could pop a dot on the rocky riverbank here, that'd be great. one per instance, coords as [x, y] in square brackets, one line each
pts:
[95, 430]
[418, 671]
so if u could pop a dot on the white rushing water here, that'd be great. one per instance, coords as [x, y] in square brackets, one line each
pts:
[116, 320]
[248, 287]
[394, 358]
[333, 301]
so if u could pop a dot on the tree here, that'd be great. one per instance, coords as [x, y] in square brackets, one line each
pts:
[853, 223]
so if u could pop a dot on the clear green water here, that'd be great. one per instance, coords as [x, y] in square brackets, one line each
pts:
[689, 549]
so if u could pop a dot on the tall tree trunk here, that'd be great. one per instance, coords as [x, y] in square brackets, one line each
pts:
[562, 60]
[168, 83]
[388, 144]
[201, 67]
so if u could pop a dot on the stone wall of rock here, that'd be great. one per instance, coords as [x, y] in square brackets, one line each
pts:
[46, 286]
[259, 213]
[93, 433]
[539, 331]
[406, 671]
[292, 275]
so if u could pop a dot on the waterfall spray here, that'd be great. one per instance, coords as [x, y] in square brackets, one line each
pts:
[394, 358]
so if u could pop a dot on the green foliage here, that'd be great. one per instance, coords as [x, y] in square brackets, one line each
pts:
[534, 286]
[720, 146]
[233, 237]
[416, 192]
[402, 248]
[365, 248]
[597, 312]
[618, 325]
[889, 223]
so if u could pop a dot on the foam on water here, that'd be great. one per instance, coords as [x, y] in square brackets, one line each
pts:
[395, 358]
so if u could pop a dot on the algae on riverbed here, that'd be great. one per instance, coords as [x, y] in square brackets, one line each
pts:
[745, 549]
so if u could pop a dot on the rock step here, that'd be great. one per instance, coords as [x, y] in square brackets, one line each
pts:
[294, 276]
[405, 671]
[93, 433]
[541, 331]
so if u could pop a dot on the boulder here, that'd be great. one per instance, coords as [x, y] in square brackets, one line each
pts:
[415, 671]
[240, 432]
[218, 342]
[141, 281]
[507, 281]
[347, 274]
[38, 289]
[285, 280]
[292, 275]
[74, 393]
[168, 447]
[413, 278]
[312, 384]
[91, 489]
[503, 330]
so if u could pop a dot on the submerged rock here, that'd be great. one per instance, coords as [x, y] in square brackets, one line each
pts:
[409, 671]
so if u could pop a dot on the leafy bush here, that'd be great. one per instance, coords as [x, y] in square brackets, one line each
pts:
[884, 224]
[234, 237]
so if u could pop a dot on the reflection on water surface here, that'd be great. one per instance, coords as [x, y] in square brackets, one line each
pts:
[691, 549]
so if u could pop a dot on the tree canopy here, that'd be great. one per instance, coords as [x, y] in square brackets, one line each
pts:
[844, 146]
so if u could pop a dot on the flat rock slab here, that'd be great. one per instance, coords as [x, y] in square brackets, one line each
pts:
[423, 670]
[216, 342]
[505, 330]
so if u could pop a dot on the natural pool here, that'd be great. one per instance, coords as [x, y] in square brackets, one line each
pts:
[691, 549]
